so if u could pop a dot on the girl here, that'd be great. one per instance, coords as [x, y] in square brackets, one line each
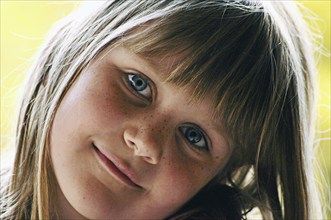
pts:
[168, 109]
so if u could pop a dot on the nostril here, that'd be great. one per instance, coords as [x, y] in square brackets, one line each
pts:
[132, 144]
[148, 159]
[128, 138]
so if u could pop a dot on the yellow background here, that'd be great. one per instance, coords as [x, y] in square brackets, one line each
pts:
[25, 23]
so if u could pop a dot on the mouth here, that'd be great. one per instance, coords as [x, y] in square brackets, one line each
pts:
[117, 170]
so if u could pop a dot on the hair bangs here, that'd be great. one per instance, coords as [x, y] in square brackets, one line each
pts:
[216, 60]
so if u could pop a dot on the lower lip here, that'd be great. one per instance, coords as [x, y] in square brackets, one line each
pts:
[115, 171]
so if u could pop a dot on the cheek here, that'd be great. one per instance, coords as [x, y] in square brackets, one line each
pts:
[179, 182]
[106, 105]
[89, 107]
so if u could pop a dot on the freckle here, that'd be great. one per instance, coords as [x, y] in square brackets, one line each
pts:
[83, 197]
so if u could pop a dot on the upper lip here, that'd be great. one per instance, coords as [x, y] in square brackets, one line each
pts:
[122, 167]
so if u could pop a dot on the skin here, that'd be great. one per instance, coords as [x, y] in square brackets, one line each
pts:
[141, 130]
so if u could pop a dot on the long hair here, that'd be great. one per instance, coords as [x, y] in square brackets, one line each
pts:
[254, 57]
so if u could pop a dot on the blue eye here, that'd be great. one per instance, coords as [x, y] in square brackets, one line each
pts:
[195, 137]
[140, 85]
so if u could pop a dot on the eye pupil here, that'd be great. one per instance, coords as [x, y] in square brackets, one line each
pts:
[138, 83]
[193, 135]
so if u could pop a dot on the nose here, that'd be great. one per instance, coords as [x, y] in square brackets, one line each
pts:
[146, 143]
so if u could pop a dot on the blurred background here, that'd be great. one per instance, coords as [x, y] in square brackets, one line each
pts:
[24, 25]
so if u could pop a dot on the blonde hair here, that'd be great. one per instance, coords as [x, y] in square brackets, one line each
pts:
[253, 56]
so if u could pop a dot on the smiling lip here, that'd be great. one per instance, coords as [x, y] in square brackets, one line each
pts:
[117, 170]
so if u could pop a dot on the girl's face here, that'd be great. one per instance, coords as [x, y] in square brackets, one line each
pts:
[124, 144]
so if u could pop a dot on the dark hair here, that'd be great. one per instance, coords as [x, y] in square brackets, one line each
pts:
[213, 202]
